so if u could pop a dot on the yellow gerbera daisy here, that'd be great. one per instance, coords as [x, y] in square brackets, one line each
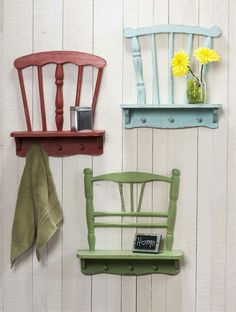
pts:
[180, 64]
[206, 55]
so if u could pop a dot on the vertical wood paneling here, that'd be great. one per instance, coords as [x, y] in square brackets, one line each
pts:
[47, 281]
[205, 209]
[129, 146]
[1, 158]
[108, 28]
[182, 154]
[219, 217]
[78, 35]
[231, 212]
[160, 148]
[144, 138]
[212, 175]
[18, 282]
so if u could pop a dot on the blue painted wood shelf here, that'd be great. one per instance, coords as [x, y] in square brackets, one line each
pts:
[171, 116]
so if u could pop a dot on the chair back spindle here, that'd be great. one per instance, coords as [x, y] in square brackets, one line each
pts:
[59, 75]
[141, 91]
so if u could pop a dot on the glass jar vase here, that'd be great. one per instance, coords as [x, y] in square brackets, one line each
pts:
[196, 90]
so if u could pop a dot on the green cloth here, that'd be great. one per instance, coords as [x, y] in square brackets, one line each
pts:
[38, 212]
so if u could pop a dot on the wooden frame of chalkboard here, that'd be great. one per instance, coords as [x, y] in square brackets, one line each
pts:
[147, 242]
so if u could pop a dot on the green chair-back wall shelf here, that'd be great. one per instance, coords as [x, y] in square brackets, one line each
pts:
[124, 261]
[167, 115]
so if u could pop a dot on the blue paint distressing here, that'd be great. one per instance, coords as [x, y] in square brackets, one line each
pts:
[170, 115]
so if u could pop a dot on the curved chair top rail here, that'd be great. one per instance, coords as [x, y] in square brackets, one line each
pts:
[208, 32]
[59, 57]
[133, 177]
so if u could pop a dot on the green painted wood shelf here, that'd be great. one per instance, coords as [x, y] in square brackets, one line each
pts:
[125, 262]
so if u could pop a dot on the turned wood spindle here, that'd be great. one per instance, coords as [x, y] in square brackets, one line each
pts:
[59, 97]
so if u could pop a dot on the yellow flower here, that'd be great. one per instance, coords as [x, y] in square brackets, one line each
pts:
[206, 55]
[180, 64]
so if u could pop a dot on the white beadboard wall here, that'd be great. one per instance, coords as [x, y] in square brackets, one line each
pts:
[206, 216]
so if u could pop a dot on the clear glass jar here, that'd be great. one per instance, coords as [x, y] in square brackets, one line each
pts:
[196, 90]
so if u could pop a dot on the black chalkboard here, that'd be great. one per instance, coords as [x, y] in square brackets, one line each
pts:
[149, 243]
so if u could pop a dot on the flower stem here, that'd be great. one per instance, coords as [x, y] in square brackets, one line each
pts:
[201, 72]
[191, 71]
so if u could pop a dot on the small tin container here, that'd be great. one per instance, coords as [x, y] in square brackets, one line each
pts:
[81, 118]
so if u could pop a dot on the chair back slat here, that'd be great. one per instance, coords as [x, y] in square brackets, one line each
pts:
[122, 197]
[25, 102]
[141, 197]
[190, 45]
[41, 96]
[96, 90]
[132, 197]
[171, 30]
[131, 214]
[155, 85]
[208, 44]
[189, 52]
[170, 56]
[137, 60]
[131, 225]
[59, 58]
[79, 85]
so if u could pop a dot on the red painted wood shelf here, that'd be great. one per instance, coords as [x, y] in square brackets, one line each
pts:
[59, 142]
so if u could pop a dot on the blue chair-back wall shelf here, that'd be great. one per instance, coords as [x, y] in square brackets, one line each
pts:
[167, 115]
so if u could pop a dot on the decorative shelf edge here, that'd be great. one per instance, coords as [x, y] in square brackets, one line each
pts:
[171, 116]
[61, 143]
[127, 263]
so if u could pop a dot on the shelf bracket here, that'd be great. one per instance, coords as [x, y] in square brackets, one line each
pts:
[127, 116]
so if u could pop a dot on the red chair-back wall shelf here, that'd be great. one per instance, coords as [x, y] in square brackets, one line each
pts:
[59, 142]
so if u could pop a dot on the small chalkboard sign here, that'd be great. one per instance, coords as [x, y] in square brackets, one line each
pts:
[149, 243]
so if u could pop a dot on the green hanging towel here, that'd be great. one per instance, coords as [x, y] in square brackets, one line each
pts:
[38, 212]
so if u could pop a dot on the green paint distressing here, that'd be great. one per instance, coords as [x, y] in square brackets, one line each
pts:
[125, 262]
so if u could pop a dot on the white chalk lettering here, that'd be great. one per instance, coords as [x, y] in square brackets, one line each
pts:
[141, 242]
